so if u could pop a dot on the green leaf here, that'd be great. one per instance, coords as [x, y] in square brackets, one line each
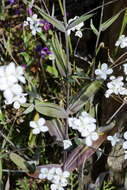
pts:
[93, 28]
[109, 22]
[27, 58]
[82, 18]
[60, 55]
[56, 129]
[52, 70]
[29, 109]
[2, 10]
[124, 23]
[32, 140]
[83, 96]
[58, 24]
[19, 161]
[0, 169]
[50, 110]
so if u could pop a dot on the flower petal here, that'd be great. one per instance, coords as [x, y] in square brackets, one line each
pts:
[36, 131]
[33, 124]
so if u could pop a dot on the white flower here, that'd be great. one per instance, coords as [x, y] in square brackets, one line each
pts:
[125, 142]
[103, 71]
[34, 24]
[56, 187]
[76, 28]
[86, 125]
[93, 136]
[51, 174]
[17, 100]
[60, 177]
[78, 33]
[114, 139]
[74, 123]
[56, 176]
[43, 173]
[67, 144]
[125, 68]
[125, 157]
[38, 126]
[115, 87]
[122, 41]
[11, 91]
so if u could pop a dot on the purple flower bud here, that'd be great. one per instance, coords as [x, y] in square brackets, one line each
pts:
[11, 1]
[29, 10]
[43, 51]
[46, 25]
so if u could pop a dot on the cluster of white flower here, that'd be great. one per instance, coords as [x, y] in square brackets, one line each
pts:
[116, 86]
[38, 126]
[56, 176]
[85, 124]
[34, 24]
[76, 28]
[122, 41]
[67, 144]
[103, 71]
[10, 75]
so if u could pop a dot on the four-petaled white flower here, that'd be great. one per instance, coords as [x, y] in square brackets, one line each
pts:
[10, 75]
[17, 100]
[86, 125]
[114, 139]
[38, 126]
[116, 86]
[76, 28]
[103, 71]
[34, 24]
[67, 144]
[122, 41]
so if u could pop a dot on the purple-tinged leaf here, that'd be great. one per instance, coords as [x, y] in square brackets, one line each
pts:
[56, 129]
[80, 154]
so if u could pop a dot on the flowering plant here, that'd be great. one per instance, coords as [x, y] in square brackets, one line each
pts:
[63, 96]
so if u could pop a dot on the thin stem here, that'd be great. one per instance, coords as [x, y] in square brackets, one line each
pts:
[109, 120]
[99, 7]
[45, 7]
[6, 139]
[99, 33]
[68, 68]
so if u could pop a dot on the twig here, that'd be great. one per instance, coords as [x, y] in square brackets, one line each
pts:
[109, 120]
